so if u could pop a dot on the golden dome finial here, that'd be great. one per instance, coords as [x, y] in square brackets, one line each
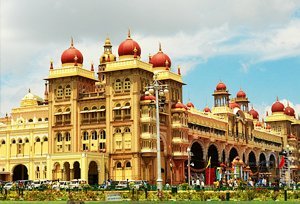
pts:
[107, 41]
[72, 42]
[51, 64]
[129, 33]
[159, 48]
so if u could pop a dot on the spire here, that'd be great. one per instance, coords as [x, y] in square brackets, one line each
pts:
[46, 93]
[29, 91]
[51, 64]
[150, 58]
[92, 66]
[72, 43]
[179, 72]
[277, 98]
[159, 48]
[129, 37]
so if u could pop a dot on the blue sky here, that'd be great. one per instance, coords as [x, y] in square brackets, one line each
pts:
[251, 44]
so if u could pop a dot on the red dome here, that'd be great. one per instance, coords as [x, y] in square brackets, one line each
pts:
[160, 59]
[289, 111]
[277, 107]
[268, 127]
[233, 105]
[128, 46]
[207, 110]
[190, 105]
[147, 97]
[241, 94]
[258, 124]
[69, 55]
[178, 105]
[254, 113]
[221, 87]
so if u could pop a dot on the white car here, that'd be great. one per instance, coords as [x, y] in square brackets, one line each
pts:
[61, 185]
[77, 183]
[8, 185]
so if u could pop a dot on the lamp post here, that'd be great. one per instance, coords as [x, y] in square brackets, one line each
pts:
[160, 90]
[288, 164]
[189, 165]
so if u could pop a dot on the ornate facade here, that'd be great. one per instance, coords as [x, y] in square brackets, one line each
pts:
[96, 125]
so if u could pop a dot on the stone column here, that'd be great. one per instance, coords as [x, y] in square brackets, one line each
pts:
[71, 173]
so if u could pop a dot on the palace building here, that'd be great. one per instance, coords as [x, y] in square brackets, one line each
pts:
[100, 123]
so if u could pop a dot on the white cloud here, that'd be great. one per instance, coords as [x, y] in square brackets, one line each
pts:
[191, 33]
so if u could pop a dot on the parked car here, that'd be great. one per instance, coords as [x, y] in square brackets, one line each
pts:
[8, 186]
[61, 185]
[77, 183]
[122, 185]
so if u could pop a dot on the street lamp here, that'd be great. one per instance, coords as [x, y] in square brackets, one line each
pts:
[288, 163]
[189, 165]
[160, 90]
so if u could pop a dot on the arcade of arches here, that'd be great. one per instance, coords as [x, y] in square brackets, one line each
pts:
[220, 153]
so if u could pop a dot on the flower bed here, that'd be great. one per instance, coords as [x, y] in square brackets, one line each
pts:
[239, 195]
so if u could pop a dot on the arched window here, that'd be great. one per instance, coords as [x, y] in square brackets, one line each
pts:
[117, 111]
[127, 110]
[67, 136]
[94, 135]
[3, 142]
[26, 140]
[85, 135]
[127, 84]
[37, 139]
[102, 134]
[68, 91]
[59, 92]
[119, 165]
[127, 129]
[118, 85]
[102, 112]
[46, 119]
[117, 130]
[20, 141]
[13, 141]
[45, 139]
[40, 119]
[59, 137]
[128, 164]
[30, 120]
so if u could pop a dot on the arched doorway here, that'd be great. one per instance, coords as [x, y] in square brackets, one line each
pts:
[93, 173]
[56, 172]
[197, 156]
[212, 153]
[252, 162]
[232, 154]
[66, 171]
[20, 172]
[77, 173]
[272, 163]
[262, 163]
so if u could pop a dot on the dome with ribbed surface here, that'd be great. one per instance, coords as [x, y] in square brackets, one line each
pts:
[129, 47]
[241, 94]
[221, 87]
[160, 59]
[277, 107]
[289, 111]
[254, 113]
[71, 55]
